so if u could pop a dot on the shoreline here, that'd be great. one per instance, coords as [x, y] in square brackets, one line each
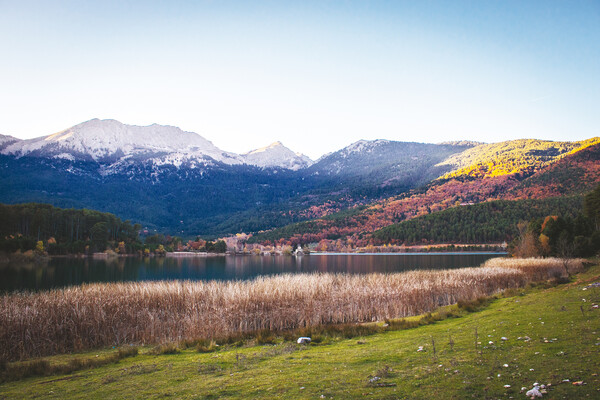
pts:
[7, 258]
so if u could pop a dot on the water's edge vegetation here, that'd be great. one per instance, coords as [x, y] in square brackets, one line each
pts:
[98, 315]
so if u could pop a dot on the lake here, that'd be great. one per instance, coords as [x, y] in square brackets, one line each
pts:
[62, 272]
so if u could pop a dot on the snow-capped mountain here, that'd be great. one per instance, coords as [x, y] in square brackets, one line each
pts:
[277, 155]
[117, 146]
[110, 141]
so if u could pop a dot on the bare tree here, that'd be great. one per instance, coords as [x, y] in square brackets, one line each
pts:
[565, 249]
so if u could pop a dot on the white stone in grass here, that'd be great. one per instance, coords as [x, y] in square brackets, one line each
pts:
[505, 365]
[535, 392]
[303, 340]
[507, 386]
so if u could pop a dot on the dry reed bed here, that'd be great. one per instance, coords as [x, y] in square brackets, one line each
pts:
[97, 315]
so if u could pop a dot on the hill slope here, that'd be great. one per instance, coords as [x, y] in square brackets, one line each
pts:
[523, 156]
[489, 222]
[572, 173]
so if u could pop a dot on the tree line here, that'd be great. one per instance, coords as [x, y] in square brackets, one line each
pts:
[64, 231]
[562, 235]
[489, 222]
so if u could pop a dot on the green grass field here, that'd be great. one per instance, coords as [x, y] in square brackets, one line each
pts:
[560, 321]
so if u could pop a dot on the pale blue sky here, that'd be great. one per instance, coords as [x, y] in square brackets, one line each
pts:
[316, 75]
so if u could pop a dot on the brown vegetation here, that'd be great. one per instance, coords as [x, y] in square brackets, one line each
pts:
[539, 269]
[97, 315]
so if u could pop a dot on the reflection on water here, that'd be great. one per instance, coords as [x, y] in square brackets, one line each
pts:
[61, 272]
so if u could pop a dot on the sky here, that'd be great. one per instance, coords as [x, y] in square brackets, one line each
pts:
[316, 75]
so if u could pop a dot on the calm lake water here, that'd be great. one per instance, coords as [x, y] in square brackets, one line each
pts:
[61, 272]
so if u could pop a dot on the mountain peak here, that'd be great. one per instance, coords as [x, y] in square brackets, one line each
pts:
[115, 144]
[277, 155]
[273, 145]
[109, 140]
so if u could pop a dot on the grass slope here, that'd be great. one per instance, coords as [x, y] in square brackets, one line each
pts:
[563, 327]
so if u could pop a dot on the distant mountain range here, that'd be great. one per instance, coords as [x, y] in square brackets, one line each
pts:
[180, 183]
[112, 143]
[512, 170]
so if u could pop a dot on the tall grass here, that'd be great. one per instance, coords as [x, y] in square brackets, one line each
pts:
[97, 315]
[539, 269]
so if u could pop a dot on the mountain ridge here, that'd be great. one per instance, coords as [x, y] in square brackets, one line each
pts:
[571, 173]
[189, 186]
[112, 142]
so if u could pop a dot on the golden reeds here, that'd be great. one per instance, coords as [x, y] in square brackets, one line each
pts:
[538, 269]
[97, 315]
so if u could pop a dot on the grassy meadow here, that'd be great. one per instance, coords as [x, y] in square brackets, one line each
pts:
[115, 314]
[545, 332]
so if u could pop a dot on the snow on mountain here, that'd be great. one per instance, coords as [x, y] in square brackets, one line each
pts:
[111, 141]
[6, 140]
[363, 146]
[277, 155]
[385, 158]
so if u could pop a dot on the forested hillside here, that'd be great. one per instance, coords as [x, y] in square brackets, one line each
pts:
[490, 222]
[62, 230]
[575, 174]
[173, 200]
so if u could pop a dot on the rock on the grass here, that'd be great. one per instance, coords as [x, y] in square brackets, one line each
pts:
[533, 393]
[303, 340]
